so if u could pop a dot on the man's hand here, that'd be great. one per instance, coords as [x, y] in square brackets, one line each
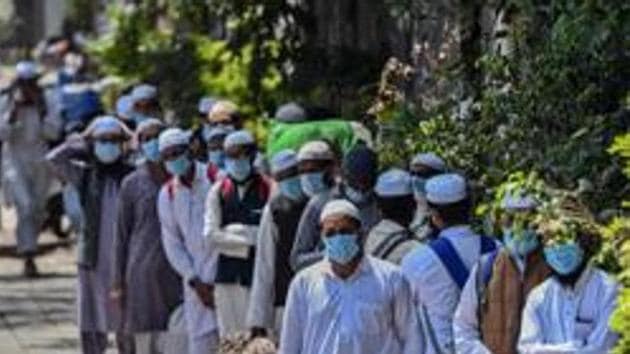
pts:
[116, 294]
[205, 292]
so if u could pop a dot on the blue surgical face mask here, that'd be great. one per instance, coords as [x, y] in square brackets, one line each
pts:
[178, 166]
[418, 184]
[107, 152]
[564, 258]
[291, 188]
[238, 169]
[313, 183]
[217, 158]
[342, 248]
[151, 150]
[520, 244]
[356, 196]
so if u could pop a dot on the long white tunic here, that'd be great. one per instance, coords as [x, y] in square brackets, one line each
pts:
[261, 312]
[561, 319]
[436, 294]
[181, 211]
[369, 313]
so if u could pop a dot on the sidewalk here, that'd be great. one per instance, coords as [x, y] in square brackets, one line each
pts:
[37, 316]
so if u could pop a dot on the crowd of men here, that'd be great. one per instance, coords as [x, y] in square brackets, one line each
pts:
[324, 251]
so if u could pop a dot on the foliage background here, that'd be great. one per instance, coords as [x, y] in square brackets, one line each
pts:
[495, 87]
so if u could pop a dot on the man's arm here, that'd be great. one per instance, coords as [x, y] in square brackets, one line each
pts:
[307, 237]
[123, 227]
[173, 240]
[406, 319]
[64, 160]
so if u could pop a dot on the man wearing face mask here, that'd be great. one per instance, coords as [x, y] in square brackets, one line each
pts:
[144, 283]
[145, 103]
[181, 212]
[422, 167]
[438, 270]
[95, 163]
[25, 133]
[316, 164]
[225, 113]
[272, 272]
[570, 311]
[349, 303]
[359, 171]
[233, 211]
[488, 317]
[391, 238]
[216, 155]
[124, 110]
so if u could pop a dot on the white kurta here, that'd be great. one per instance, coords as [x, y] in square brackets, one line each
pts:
[560, 319]
[261, 312]
[232, 240]
[181, 215]
[25, 175]
[371, 312]
[436, 294]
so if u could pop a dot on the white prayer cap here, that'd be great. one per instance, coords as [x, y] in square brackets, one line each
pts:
[173, 137]
[447, 188]
[315, 150]
[124, 106]
[430, 160]
[283, 160]
[238, 138]
[107, 125]
[339, 207]
[143, 92]
[26, 70]
[394, 183]
[149, 123]
[518, 201]
[222, 111]
[290, 113]
[205, 105]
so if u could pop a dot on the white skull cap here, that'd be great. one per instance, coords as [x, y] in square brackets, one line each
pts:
[315, 150]
[238, 138]
[447, 188]
[429, 159]
[143, 92]
[394, 183]
[339, 207]
[26, 70]
[283, 160]
[518, 201]
[173, 137]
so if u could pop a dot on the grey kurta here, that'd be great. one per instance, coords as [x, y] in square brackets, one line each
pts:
[97, 313]
[152, 289]
[26, 178]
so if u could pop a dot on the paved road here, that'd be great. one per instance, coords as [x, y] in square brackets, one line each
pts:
[37, 316]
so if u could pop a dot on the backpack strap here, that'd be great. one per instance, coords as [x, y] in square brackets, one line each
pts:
[170, 189]
[487, 245]
[394, 240]
[449, 257]
[212, 173]
[264, 187]
[227, 188]
[488, 266]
